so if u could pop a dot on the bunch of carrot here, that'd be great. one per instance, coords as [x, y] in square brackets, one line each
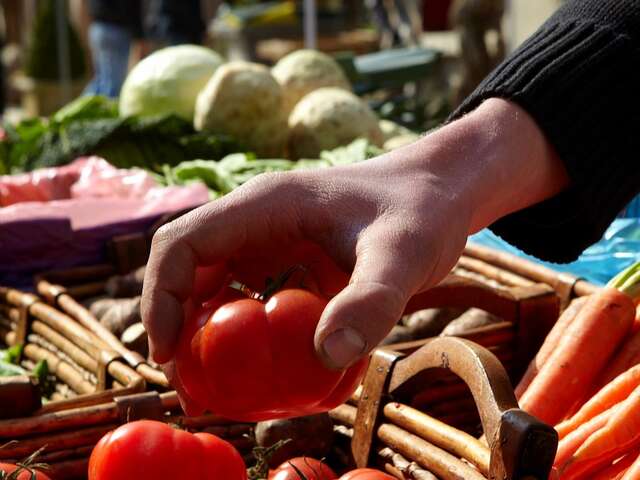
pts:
[586, 380]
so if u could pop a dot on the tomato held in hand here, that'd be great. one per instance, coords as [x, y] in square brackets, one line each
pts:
[366, 474]
[149, 449]
[13, 472]
[310, 468]
[250, 359]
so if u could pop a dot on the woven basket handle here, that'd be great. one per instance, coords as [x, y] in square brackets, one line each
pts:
[522, 447]
[457, 291]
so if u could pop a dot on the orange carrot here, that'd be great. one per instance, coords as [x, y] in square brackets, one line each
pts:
[583, 350]
[617, 469]
[614, 392]
[587, 469]
[634, 471]
[572, 442]
[550, 343]
[621, 433]
[627, 356]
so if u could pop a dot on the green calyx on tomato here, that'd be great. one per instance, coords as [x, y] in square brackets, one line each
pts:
[262, 455]
[253, 359]
[28, 469]
[151, 449]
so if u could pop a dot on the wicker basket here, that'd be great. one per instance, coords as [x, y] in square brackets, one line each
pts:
[87, 373]
[528, 312]
[512, 270]
[86, 370]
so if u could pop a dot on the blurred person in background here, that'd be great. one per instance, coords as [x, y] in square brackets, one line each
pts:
[398, 21]
[174, 22]
[116, 25]
[475, 20]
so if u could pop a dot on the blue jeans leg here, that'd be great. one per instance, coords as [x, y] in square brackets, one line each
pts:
[110, 45]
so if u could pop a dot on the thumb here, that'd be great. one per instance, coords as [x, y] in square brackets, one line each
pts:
[357, 319]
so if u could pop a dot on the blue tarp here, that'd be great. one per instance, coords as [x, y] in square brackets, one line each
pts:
[619, 248]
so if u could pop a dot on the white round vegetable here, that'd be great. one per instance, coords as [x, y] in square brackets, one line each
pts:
[400, 141]
[243, 100]
[304, 71]
[392, 129]
[328, 118]
[168, 81]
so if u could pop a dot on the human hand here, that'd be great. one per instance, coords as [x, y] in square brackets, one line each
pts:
[397, 222]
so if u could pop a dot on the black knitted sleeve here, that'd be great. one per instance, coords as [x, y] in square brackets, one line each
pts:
[579, 78]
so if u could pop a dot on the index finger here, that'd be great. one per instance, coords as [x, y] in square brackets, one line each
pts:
[257, 212]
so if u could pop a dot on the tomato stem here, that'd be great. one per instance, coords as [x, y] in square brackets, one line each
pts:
[28, 464]
[262, 455]
[242, 288]
[272, 285]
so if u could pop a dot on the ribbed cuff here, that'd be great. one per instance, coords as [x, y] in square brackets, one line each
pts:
[580, 81]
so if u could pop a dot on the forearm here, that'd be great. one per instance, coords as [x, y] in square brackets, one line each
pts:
[512, 164]
[495, 159]
[577, 77]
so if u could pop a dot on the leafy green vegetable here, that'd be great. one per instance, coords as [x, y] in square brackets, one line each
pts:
[91, 126]
[10, 370]
[13, 354]
[207, 171]
[46, 381]
[223, 176]
[10, 366]
[88, 107]
[9, 360]
[357, 151]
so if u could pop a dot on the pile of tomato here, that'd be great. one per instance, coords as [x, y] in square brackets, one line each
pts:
[150, 449]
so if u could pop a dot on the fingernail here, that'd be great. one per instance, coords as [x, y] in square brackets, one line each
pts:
[343, 347]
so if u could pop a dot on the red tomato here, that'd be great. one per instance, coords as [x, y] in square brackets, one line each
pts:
[9, 468]
[252, 360]
[366, 474]
[311, 468]
[149, 449]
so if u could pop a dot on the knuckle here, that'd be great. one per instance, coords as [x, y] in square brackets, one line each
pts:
[162, 236]
[270, 182]
[267, 182]
[167, 238]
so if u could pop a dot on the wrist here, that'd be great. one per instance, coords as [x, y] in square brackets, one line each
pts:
[499, 161]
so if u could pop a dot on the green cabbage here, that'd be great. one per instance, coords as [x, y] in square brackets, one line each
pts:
[168, 81]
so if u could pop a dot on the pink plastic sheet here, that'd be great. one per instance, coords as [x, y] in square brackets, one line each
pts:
[63, 217]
